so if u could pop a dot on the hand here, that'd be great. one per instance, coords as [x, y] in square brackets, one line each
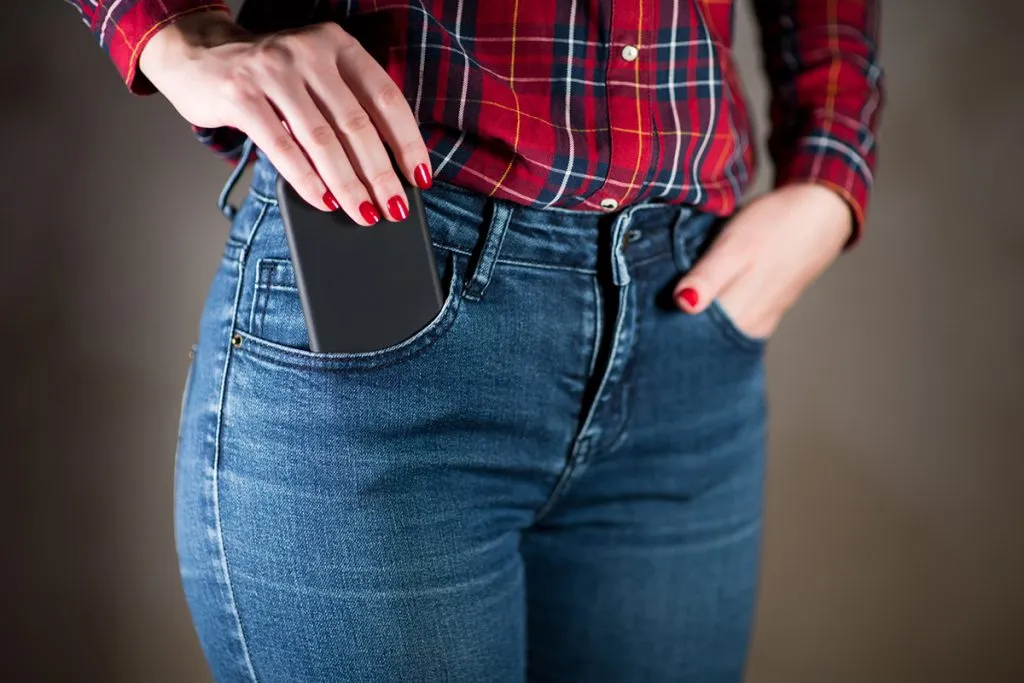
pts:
[312, 99]
[767, 255]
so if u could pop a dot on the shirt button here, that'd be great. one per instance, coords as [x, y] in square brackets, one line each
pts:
[609, 204]
[630, 53]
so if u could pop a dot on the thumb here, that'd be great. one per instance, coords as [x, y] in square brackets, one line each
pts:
[712, 273]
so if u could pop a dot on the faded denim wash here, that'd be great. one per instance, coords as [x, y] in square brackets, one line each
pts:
[558, 479]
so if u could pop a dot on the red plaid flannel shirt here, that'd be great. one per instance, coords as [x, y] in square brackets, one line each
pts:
[594, 104]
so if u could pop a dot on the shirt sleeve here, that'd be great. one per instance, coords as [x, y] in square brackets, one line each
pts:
[123, 27]
[827, 94]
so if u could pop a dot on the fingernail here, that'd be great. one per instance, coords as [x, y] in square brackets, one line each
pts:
[689, 295]
[369, 213]
[397, 208]
[330, 201]
[423, 177]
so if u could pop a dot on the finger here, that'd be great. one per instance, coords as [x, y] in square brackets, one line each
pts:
[361, 141]
[259, 120]
[714, 271]
[386, 104]
[318, 139]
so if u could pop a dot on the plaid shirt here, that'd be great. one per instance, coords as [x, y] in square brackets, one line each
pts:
[593, 104]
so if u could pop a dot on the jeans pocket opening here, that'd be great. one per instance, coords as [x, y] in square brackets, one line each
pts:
[693, 248]
[728, 327]
[276, 276]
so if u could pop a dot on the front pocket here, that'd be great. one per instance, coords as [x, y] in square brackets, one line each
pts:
[728, 327]
[277, 327]
[693, 247]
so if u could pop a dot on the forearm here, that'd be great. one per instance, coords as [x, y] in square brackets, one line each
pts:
[123, 29]
[821, 58]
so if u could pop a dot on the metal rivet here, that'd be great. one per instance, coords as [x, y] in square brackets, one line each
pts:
[609, 204]
[236, 340]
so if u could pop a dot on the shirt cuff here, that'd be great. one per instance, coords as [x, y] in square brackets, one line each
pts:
[132, 30]
[832, 158]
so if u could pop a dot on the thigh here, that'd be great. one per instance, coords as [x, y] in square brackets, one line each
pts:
[647, 568]
[355, 517]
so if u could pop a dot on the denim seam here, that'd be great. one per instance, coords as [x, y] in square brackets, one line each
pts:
[651, 259]
[262, 287]
[284, 356]
[574, 457]
[257, 304]
[564, 480]
[483, 270]
[262, 197]
[619, 316]
[232, 247]
[219, 531]
[621, 309]
[729, 328]
[542, 266]
[627, 392]
[598, 326]
[717, 316]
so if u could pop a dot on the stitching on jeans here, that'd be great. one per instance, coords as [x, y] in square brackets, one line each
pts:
[217, 446]
[731, 330]
[265, 300]
[598, 325]
[266, 270]
[284, 356]
[262, 197]
[651, 259]
[627, 393]
[716, 315]
[517, 263]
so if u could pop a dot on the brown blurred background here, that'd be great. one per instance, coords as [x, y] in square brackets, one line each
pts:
[895, 542]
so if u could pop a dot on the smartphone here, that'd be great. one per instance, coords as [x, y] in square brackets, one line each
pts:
[362, 288]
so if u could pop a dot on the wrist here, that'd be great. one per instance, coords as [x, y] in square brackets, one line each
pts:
[187, 37]
[833, 210]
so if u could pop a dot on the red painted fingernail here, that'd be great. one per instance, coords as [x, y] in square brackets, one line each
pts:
[397, 208]
[369, 213]
[330, 201]
[423, 177]
[689, 295]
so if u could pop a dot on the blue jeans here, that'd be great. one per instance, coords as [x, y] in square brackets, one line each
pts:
[558, 479]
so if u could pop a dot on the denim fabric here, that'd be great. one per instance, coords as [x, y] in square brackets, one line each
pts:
[558, 479]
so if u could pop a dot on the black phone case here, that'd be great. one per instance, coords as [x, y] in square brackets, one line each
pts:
[362, 288]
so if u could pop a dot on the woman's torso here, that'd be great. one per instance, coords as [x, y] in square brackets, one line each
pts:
[578, 104]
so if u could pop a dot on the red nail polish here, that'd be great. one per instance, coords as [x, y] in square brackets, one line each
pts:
[369, 213]
[330, 201]
[423, 177]
[397, 208]
[689, 295]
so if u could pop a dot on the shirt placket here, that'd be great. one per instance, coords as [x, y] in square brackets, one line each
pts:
[629, 116]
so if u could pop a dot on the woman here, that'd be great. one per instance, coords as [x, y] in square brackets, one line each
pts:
[560, 477]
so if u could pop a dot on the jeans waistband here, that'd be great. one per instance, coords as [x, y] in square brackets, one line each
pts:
[559, 238]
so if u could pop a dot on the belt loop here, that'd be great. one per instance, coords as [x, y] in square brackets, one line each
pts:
[227, 209]
[495, 226]
[681, 239]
